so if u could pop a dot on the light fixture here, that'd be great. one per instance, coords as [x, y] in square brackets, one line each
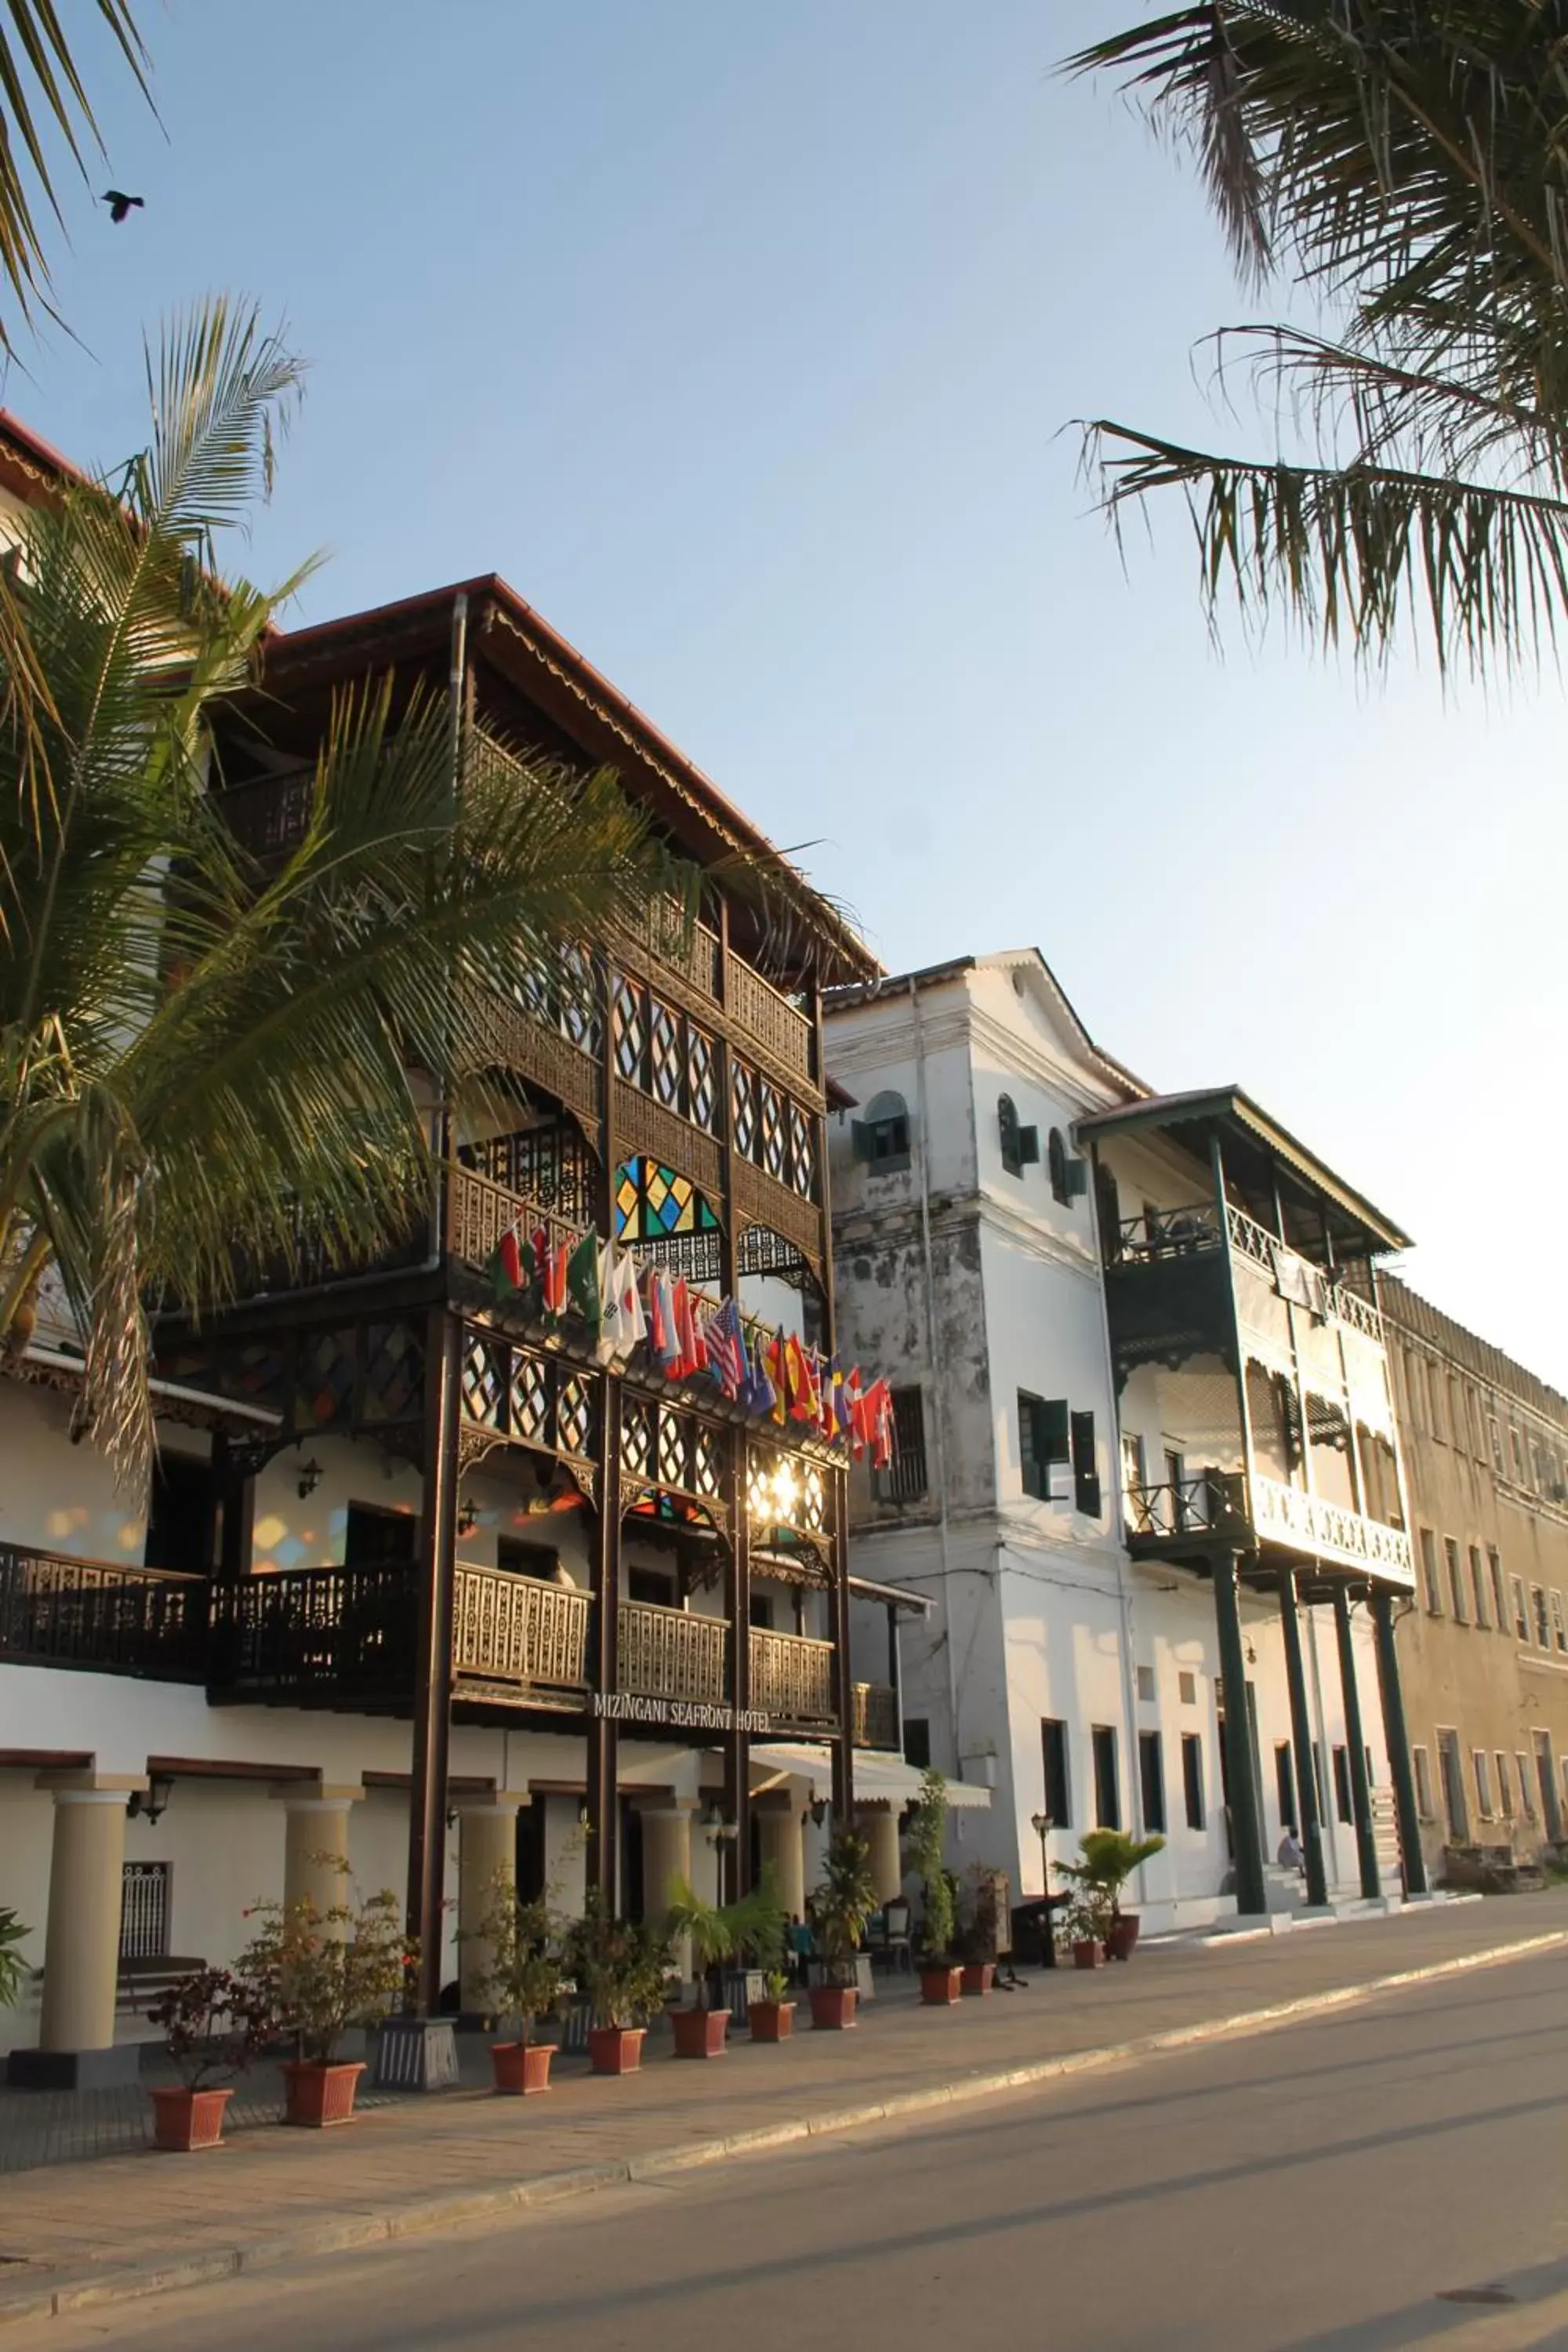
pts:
[582, 1813]
[310, 1477]
[468, 1516]
[717, 1830]
[151, 1803]
[775, 1494]
[817, 1808]
[1042, 1824]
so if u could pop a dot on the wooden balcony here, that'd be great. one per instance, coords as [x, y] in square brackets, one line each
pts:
[670, 1654]
[791, 1678]
[875, 1715]
[1260, 1515]
[519, 1633]
[110, 1618]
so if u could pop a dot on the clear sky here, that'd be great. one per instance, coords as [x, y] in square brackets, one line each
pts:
[746, 342]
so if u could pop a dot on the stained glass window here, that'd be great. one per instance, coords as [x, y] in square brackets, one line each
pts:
[653, 1202]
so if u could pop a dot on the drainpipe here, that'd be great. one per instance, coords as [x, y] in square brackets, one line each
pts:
[1118, 1534]
[933, 1351]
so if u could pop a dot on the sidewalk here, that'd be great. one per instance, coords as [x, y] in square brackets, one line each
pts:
[134, 2224]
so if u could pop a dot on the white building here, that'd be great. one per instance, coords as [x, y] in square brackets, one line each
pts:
[1086, 1486]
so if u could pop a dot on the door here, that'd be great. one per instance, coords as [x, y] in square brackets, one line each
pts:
[1452, 1770]
[1546, 1774]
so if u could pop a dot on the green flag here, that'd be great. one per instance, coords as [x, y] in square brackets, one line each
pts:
[583, 1283]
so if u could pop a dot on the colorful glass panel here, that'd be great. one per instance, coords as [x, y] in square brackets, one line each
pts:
[654, 1202]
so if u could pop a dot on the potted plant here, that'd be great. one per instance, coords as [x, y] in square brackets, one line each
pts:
[700, 2032]
[976, 1943]
[522, 1983]
[839, 1908]
[1077, 1932]
[317, 1973]
[214, 2022]
[773, 2019]
[940, 1978]
[762, 1943]
[13, 1968]
[620, 1966]
[1107, 1860]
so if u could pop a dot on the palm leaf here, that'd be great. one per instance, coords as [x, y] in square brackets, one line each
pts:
[41, 87]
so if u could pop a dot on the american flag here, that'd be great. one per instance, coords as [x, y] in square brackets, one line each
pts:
[726, 1343]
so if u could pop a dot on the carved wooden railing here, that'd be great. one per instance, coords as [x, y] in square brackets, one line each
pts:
[791, 1678]
[317, 1632]
[55, 1611]
[1328, 1530]
[513, 1629]
[875, 1715]
[759, 1008]
[670, 1654]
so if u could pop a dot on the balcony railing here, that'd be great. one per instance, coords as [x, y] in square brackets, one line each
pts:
[769, 1017]
[55, 1610]
[670, 1653]
[515, 1630]
[875, 1715]
[1213, 1503]
[317, 1633]
[1162, 1233]
[1297, 1278]
[1310, 1523]
[791, 1678]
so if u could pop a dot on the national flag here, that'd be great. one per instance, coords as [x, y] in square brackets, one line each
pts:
[832, 1393]
[583, 1283]
[505, 1267]
[797, 1379]
[664, 1327]
[550, 1268]
[727, 1348]
[758, 1394]
[877, 1425]
[854, 1398]
[623, 1321]
[775, 1356]
[692, 1358]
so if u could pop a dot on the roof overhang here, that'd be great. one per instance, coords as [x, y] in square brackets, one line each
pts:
[875, 1775]
[896, 1596]
[171, 1400]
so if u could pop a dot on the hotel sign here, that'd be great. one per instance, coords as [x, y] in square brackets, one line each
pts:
[678, 1714]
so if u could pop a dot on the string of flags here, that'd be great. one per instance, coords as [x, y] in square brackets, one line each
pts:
[626, 1303]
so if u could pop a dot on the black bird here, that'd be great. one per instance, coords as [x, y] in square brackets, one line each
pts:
[120, 205]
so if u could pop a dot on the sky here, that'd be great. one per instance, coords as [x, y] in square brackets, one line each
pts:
[748, 344]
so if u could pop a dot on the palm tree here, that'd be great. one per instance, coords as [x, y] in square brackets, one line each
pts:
[199, 1055]
[41, 90]
[1408, 166]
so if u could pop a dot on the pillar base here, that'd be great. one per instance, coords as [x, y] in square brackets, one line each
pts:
[416, 2053]
[75, 2070]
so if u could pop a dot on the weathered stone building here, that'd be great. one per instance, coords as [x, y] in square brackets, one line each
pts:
[1484, 1646]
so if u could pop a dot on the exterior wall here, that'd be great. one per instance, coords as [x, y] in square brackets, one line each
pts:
[1485, 1453]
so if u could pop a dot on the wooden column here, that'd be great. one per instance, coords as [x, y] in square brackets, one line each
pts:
[1307, 1805]
[842, 1682]
[433, 1654]
[1398, 1741]
[1245, 1827]
[603, 1736]
[738, 1742]
[1356, 1738]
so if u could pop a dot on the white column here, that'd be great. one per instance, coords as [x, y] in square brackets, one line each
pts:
[783, 1852]
[487, 1863]
[879, 1825]
[81, 1946]
[316, 1845]
[666, 1860]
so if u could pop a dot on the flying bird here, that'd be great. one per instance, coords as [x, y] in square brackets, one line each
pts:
[120, 205]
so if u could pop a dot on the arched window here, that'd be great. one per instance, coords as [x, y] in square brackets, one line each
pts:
[883, 1138]
[1020, 1145]
[1057, 1150]
[653, 1203]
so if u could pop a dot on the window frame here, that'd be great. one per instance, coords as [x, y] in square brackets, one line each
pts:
[1479, 1585]
[1461, 1614]
[1105, 1750]
[1055, 1767]
[1480, 1771]
[1193, 1778]
[1431, 1584]
[1152, 1783]
[1421, 1773]
[1505, 1785]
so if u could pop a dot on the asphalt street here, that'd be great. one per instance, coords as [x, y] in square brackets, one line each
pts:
[1396, 2176]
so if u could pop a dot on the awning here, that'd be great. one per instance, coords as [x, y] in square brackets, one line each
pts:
[875, 1775]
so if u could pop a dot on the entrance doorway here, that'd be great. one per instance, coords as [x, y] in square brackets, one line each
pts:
[1449, 1764]
[1546, 1774]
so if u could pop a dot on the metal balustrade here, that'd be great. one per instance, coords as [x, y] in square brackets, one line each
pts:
[875, 1715]
[1212, 1503]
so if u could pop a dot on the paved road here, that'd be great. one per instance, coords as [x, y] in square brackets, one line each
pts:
[1323, 2188]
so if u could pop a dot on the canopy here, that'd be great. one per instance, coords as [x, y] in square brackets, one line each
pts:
[875, 1775]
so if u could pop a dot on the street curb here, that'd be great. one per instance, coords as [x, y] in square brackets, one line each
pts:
[134, 2282]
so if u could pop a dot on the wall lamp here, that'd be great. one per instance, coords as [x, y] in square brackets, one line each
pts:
[151, 1803]
[310, 1477]
[717, 1830]
[468, 1516]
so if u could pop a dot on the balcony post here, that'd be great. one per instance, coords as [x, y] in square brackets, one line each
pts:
[1301, 1741]
[604, 1677]
[433, 1654]
[1247, 1828]
[738, 1745]
[1355, 1739]
[76, 2049]
[843, 1685]
[1398, 1741]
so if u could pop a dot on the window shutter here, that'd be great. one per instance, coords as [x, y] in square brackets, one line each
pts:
[860, 1138]
[1085, 1473]
[1030, 1146]
[1077, 1178]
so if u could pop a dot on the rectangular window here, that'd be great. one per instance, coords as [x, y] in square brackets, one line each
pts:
[1539, 1618]
[1521, 1616]
[1134, 1476]
[1433, 1590]
[1107, 1788]
[1059, 1790]
[1516, 1454]
[1414, 1402]
[1480, 1764]
[1499, 1606]
[1187, 1689]
[1526, 1788]
[1146, 1685]
[759, 1610]
[1559, 1623]
[1344, 1804]
[1421, 1765]
[1494, 1432]
[1504, 1785]
[1285, 1784]
[374, 1536]
[917, 1741]
[905, 1479]
[179, 1514]
[1151, 1781]
[1044, 1446]
[1085, 1466]
[1479, 1585]
[1193, 1778]
[653, 1588]
[535, 1560]
[1457, 1594]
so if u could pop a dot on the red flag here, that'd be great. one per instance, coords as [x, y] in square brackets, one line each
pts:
[854, 1414]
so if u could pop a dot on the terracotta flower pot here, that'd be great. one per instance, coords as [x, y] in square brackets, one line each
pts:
[1123, 1936]
[701, 2032]
[772, 2021]
[940, 1988]
[521, 2067]
[833, 2007]
[185, 2119]
[616, 2048]
[316, 2096]
[978, 1975]
[1088, 1954]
